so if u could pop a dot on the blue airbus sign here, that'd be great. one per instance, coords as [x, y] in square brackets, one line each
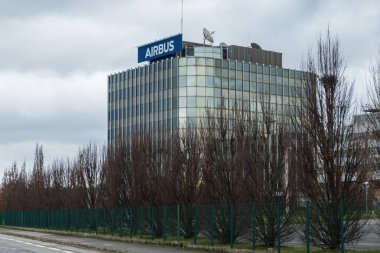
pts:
[161, 48]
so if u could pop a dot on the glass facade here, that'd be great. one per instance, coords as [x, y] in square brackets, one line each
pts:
[172, 93]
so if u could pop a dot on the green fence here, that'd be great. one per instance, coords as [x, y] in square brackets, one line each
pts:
[251, 226]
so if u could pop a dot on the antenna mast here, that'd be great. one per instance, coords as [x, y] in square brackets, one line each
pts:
[182, 17]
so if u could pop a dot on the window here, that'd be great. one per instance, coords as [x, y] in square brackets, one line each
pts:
[191, 101]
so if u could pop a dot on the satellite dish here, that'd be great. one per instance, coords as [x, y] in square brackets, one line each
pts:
[207, 36]
[222, 44]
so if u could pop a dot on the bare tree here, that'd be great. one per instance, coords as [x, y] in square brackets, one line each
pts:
[89, 164]
[37, 189]
[329, 152]
[267, 178]
[223, 171]
[185, 184]
[14, 189]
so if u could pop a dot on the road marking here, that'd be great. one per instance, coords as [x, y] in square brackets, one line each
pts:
[36, 245]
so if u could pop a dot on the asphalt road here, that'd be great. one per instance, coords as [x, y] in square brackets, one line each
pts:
[20, 245]
[40, 242]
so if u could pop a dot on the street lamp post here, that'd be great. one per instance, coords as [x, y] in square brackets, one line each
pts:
[366, 186]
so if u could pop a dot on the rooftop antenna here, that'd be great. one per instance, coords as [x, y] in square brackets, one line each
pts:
[182, 17]
[207, 35]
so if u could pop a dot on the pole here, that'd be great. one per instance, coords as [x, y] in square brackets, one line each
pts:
[278, 225]
[195, 224]
[341, 226]
[182, 17]
[307, 227]
[212, 226]
[165, 224]
[178, 225]
[231, 226]
[253, 226]
[366, 200]
[130, 223]
[121, 222]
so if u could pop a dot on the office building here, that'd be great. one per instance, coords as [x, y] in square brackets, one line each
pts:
[184, 79]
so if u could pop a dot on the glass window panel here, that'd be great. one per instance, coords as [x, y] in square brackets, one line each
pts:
[266, 70]
[191, 112]
[266, 78]
[259, 78]
[218, 63]
[191, 101]
[239, 85]
[246, 95]
[191, 91]
[225, 83]
[232, 84]
[225, 64]
[246, 75]
[210, 62]
[182, 101]
[190, 61]
[273, 89]
[182, 112]
[191, 70]
[259, 69]
[225, 73]
[200, 102]
[266, 88]
[218, 72]
[286, 90]
[217, 82]
[239, 75]
[209, 102]
[210, 81]
[210, 71]
[225, 93]
[279, 79]
[279, 89]
[182, 62]
[239, 95]
[273, 98]
[182, 71]
[201, 81]
[201, 70]
[201, 91]
[260, 87]
[246, 85]
[217, 92]
[252, 86]
[182, 92]
[209, 92]
[201, 61]
[182, 81]
[232, 74]
[191, 80]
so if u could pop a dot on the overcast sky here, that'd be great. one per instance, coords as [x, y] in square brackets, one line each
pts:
[55, 55]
